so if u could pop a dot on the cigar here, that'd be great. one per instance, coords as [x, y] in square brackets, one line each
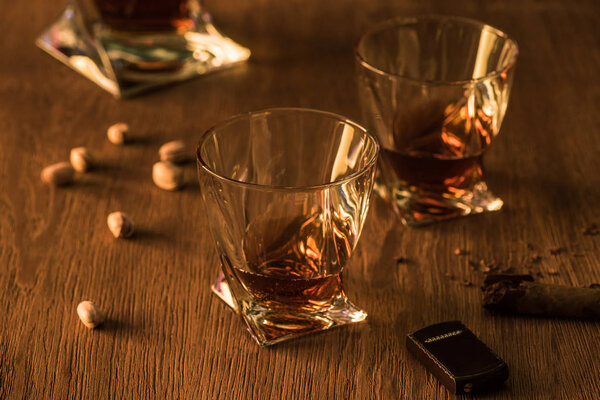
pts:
[520, 294]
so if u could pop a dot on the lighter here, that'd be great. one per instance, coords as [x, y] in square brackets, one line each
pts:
[462, 362]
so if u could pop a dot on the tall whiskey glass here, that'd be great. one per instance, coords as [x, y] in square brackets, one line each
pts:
[434, 89]
[286, 193]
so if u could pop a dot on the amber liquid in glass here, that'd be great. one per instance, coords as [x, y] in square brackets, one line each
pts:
[147, 15]
[436, 175]
[274, 287]
[299, 268]
[443, 162]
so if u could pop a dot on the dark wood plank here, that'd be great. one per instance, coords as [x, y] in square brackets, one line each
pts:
[167, 336]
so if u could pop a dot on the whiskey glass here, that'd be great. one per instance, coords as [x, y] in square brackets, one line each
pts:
[130, 46]
[286, 192]
[434, 90]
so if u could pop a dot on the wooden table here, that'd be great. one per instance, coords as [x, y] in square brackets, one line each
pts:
[167, 336]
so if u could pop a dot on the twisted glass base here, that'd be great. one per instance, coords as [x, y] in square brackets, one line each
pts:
[269, 325]
[125, 64]
[420, 208]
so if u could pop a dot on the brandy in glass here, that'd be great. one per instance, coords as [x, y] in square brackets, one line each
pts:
[286, 193]
[434, 89]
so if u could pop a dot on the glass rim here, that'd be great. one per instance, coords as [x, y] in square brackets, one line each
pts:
[237, 117]
[404, 21]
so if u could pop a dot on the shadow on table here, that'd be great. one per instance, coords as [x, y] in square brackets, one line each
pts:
[120, 327]
[148, 237]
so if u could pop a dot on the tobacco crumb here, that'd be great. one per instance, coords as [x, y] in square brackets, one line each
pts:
[534, 259]
[460, 252]
[401, 260]
[592, 230]
[492, 267]
[539, 275]
[466, 283]
[486, 266]
[552, 271]
[557, 250]
[595, 286]
[530, 247]
[507, 270]
[577, 254]
[495, 266]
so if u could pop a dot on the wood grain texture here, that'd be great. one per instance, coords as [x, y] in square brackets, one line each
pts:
[167, 336]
